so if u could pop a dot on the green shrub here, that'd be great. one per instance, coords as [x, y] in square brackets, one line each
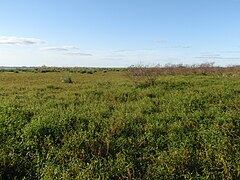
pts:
[68, 79]
[83, 71]
[90, 72]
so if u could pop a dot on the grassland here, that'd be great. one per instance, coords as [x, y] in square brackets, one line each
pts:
[105, 125]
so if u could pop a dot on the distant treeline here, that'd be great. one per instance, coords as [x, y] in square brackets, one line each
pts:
[204, 68]
[182, 69]
[46, 69]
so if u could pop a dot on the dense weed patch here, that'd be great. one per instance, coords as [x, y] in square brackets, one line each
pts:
[104, 126]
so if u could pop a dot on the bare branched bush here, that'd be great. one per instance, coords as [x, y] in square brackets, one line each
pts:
[143, 75]
[147, 76]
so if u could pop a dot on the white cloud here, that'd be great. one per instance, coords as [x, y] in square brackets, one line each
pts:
[20, 40]
[177, 47]
[210, 55]
[66, 50]
[218, 58]
[131, 50]
[59, 48]
[78, 54]
[161, 41]
[231, 52]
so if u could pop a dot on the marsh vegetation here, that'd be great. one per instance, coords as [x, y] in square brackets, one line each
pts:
[172, 123]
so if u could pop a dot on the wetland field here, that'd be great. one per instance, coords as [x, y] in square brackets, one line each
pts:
[119, 124]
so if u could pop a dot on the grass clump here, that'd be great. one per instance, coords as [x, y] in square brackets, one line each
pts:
[68, 79]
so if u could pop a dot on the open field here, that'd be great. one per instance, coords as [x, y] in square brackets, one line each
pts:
[109, 125]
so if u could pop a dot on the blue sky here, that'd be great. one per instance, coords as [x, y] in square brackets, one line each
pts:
[119, 33]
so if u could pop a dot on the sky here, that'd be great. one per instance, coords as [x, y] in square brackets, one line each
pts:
[119, 33]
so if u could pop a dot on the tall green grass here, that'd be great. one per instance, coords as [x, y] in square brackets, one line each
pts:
[103, 126]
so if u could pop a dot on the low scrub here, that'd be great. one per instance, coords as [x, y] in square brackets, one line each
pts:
[68, 79]
[103, 127]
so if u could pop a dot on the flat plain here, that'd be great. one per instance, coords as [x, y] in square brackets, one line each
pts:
[107, 125]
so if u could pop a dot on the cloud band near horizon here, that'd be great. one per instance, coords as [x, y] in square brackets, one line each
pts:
[11, 40]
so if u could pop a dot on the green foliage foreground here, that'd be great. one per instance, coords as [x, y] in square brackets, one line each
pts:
[102, 126]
